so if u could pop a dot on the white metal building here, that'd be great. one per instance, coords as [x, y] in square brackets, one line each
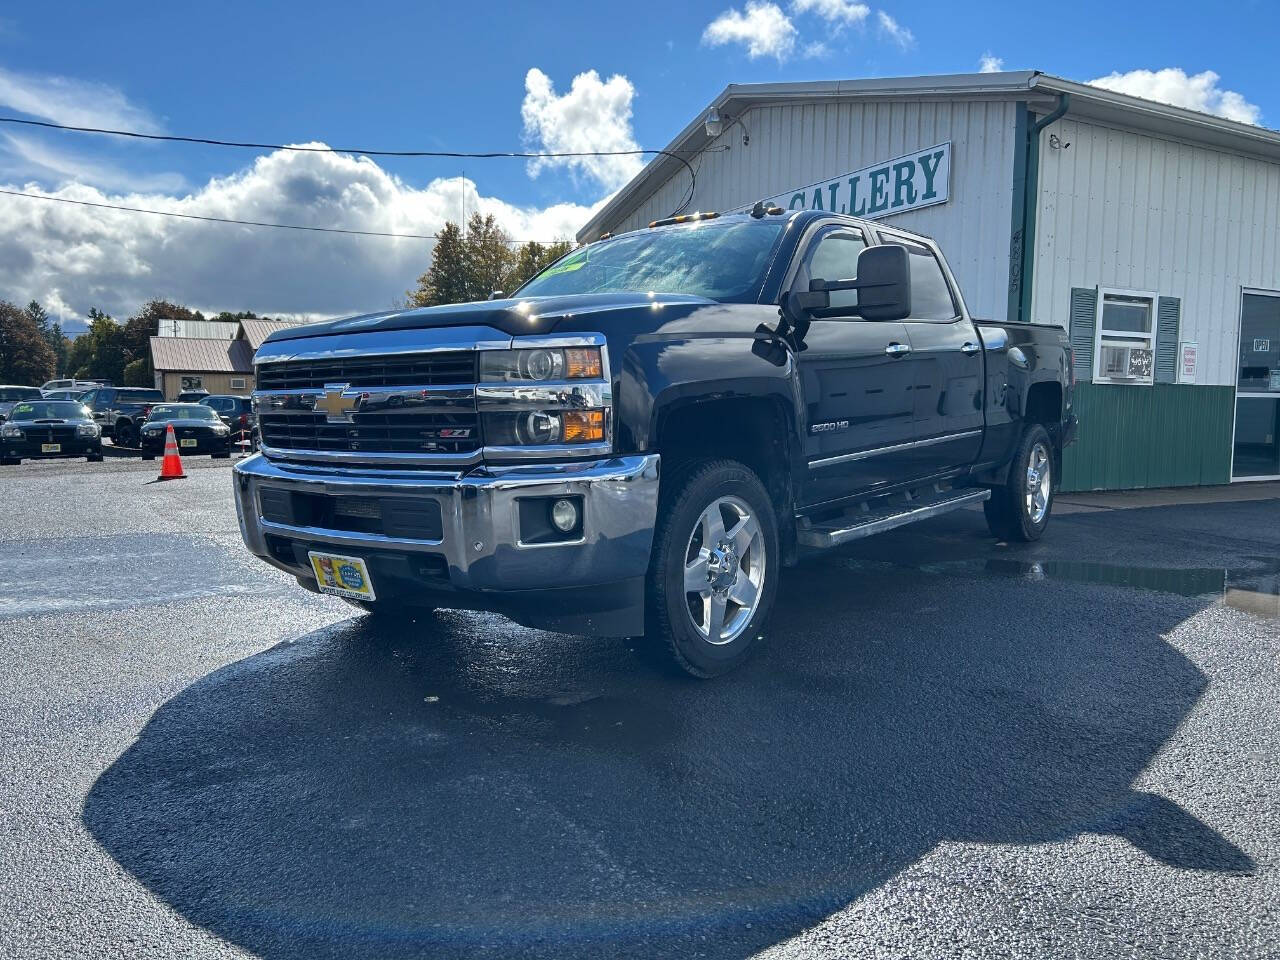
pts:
[1149, 231]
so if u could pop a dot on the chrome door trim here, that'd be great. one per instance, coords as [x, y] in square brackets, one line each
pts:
[894, 448]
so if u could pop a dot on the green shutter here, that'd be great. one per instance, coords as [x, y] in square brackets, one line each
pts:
[1084, 315]
[1168, 315]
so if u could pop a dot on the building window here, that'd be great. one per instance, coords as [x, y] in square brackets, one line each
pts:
[237, 383]
[1125, 341]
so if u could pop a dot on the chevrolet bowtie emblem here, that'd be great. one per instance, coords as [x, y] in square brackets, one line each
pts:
[338, 404]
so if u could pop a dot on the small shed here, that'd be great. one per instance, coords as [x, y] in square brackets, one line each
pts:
[197, 363]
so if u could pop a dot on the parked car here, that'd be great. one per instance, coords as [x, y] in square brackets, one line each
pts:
[42, 428]
[81, 385]
[191, 396]
[236, 412]
[649, 430]
[196, 427]
[9, 395]
[120, 411]
[75, 394]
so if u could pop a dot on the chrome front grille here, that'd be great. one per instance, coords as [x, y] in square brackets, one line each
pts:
[399, 432]
[428, 369]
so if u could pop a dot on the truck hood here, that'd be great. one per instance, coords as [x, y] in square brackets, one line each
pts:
[515, 317]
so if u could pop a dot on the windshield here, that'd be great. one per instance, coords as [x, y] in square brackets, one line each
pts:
[720, 261]
[48, 410]
[18, 393]
[193, 412]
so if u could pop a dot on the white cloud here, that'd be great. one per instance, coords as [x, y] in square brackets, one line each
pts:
[990, 63]
[837, 11]
[74, 257]
[895, 31]
[593, 115]
[763, 29]
[1195, 92]
[22, 157]
[77, 103]
[816, 51]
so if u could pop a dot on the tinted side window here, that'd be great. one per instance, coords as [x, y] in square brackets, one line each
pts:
[835, 257]
[930, 294]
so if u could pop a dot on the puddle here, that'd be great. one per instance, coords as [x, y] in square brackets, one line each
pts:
[1254, 589]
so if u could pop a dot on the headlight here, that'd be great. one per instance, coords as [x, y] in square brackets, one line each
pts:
[541, 365]
[87, 430]
[539, 428]
[221, 429]
[11, 430]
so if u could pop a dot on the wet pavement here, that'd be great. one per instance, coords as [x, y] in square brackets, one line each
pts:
[948, 747]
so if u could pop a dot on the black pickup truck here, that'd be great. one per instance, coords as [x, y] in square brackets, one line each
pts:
[643, 435]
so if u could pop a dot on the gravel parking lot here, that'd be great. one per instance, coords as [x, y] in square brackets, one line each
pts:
[949, 748]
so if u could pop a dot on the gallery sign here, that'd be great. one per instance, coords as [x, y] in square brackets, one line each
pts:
[909, 182]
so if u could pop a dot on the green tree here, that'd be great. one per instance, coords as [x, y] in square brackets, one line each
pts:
[51, 330]
[532, 258]
[25, 354]
[105, 349]
[138, 373]
[472, 267]
[445, 280]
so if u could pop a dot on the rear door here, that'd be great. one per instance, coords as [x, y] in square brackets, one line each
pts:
[857, 390]
[946, 361]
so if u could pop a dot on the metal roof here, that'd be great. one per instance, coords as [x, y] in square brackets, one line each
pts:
[255, 331]
[1040, 90]
[201, 355]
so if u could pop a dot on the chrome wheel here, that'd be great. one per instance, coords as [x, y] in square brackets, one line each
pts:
[1039, 482]
[724, 569]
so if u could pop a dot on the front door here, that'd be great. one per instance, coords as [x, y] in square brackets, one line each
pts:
[856, 383]
[1256, 452]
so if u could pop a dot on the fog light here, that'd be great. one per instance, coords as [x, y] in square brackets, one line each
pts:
[564, 514]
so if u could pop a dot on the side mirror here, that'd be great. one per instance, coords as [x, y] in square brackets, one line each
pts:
[497, 295]
[883, 285]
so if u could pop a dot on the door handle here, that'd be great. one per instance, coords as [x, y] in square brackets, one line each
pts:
[898, 349]
[970, 348]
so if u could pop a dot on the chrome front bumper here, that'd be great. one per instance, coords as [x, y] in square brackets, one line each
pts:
[480, 511]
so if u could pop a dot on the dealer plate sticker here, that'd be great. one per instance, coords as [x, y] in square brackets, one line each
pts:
[187, 442]
[342, 576]
[50, 448]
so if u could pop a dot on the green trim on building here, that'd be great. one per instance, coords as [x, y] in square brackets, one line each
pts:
[1163, 435]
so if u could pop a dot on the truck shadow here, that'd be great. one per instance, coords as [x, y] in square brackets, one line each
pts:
[357, 792]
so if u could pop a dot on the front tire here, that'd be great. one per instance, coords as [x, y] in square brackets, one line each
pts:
[1018, 511]
[10, 461]
[124, 435]
[715, 566]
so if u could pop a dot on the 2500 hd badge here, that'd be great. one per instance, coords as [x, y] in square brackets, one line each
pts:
[641, 437]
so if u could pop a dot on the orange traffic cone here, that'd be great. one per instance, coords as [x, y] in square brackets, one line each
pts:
[171, 466]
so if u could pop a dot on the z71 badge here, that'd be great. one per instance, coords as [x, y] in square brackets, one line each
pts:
[829, 427]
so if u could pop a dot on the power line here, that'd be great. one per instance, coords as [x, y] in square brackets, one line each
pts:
[482, 155]
[246, 223]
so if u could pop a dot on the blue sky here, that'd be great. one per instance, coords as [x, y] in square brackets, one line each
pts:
[455, 76]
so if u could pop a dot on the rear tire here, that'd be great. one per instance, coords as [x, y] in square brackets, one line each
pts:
[10, 461]
[220, 456]
[715, 566]
[94, 458]
[1018, 510]
[148, 456]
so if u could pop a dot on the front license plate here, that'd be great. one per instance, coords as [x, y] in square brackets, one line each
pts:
[50, 448]
[187, 442]
[342, 576]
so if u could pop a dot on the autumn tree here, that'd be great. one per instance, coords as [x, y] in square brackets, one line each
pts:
[25, 354]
